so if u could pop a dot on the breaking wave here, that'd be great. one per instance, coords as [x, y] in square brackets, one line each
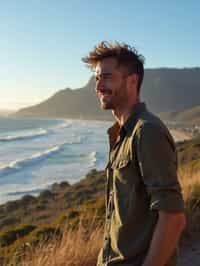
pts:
[93, 157]
[34, 159]
[24, 135]
[64, 124]
[18, 165]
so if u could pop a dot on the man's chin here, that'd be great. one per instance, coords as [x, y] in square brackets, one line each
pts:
[105, 106]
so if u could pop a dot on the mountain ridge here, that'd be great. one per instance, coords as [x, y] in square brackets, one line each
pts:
[163, 89]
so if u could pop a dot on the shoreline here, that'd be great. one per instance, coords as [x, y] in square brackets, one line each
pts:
[180, 135]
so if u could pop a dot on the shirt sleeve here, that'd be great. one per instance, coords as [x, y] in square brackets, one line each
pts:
[158, 164]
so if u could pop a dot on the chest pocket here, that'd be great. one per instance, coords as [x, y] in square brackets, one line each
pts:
[124, 188]
[123, 170]
[126, 170]
[122, 162]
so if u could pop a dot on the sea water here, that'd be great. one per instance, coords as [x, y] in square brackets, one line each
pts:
[35, 153]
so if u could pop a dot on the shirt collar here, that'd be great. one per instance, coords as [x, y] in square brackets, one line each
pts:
[115, 128]
[130, 122]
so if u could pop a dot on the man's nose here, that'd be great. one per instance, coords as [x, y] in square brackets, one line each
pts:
[99, 85]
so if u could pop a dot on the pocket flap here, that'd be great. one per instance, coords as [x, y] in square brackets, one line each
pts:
[121, 162]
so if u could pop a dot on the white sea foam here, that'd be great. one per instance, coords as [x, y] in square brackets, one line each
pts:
[17, 165]
[24, 135]
[24, 192]
[93, 157]
[64, 124]
[21, 163]
[79, 140]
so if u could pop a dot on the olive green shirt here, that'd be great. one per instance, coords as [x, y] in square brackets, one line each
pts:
[141, 180]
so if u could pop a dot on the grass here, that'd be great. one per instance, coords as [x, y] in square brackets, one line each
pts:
[190, 184]
[79, 247]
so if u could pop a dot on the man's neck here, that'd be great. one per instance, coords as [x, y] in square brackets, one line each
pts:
[122, 115]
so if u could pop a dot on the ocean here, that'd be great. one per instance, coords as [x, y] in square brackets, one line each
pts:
[35, 153]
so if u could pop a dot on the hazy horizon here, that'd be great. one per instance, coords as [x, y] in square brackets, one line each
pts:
[14, 106]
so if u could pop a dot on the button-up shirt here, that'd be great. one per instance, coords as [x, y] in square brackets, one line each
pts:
[141, 180]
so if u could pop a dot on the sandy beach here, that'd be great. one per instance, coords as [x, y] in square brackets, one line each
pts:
[180, 135]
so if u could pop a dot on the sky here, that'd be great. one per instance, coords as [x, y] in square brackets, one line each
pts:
[42, 42]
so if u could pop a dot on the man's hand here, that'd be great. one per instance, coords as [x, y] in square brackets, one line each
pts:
[165, 238]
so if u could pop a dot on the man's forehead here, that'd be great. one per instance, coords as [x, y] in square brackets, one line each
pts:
[106, 65]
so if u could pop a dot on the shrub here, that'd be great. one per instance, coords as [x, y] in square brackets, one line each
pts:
[45, 195]
[64, 184]
[9, 236]
[43, 233]
[5, 222]
[11, 206]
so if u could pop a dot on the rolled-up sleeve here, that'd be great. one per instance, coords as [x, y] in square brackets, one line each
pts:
[158, 164]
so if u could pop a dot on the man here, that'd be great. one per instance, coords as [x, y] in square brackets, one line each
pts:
[144, 206]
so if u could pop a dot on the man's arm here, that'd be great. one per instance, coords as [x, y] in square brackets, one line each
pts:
[158, 162]
[165, 238]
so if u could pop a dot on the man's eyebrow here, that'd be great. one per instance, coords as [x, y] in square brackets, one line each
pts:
[103, 74]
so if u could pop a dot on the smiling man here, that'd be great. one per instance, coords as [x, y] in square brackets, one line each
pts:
[144, 205]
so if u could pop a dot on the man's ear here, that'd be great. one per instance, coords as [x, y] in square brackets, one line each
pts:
[132, 81]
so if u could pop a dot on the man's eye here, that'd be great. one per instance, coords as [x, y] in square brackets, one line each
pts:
[108, 77]
[103, 77]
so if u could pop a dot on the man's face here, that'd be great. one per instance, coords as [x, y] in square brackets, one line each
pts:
[111, 85]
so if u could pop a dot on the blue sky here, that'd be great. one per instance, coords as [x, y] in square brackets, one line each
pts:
[42, 42]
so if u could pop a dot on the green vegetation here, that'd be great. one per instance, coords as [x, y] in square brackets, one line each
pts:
[9, 236]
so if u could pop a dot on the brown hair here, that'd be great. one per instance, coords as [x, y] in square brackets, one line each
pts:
[126, 56]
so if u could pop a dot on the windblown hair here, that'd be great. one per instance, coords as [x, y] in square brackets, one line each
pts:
[127, 57]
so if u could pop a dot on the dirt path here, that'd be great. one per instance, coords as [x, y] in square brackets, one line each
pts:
[190, 254]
